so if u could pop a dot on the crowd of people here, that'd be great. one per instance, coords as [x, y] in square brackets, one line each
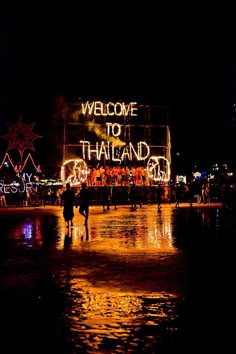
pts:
[108, 194]
[118, 176]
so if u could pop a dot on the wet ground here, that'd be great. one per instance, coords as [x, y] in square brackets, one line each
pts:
[132, 281]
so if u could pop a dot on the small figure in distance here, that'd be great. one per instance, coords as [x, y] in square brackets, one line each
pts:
[160, 193]
[133, 197]
[106, 197]
[115, 192]
[84, 202]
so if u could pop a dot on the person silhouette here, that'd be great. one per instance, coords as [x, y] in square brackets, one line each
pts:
[133, 197]
[68, 202]
[84, 202]
[160, 193]
[106, 197]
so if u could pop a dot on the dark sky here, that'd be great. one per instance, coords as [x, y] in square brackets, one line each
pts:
[174, 55]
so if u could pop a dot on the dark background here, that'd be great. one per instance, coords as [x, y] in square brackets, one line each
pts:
[180, 55]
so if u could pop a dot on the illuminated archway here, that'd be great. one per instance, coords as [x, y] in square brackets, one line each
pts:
[74, 171]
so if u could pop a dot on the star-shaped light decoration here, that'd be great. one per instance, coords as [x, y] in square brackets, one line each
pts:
[21, 136]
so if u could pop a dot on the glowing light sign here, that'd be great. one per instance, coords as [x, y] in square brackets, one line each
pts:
[113, 148]
[28, 187]
[109, 152]
[98, 108]
[25, 186]
[74, 171]
[110, 146]
[158, 168]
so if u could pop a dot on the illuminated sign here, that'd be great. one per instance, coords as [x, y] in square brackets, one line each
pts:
[25, 186]
[109, 152]
[74, 171]
[98, 108]
[109, 145]
[158, 168]
[181, 178]
[20, 167]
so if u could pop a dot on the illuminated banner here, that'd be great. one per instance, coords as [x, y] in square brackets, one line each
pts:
[109, 152]
[98, 108]
[111, 147]
[26, 185]
[106, 131]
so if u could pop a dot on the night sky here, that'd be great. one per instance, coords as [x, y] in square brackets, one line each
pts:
[174, 55]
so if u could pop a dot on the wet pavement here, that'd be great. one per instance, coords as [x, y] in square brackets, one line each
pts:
[132, 281]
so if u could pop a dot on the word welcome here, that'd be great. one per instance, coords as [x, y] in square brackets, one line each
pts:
[98, 108]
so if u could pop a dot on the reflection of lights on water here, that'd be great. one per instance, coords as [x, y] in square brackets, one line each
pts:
[77, 234]
[110, 304]
[37, 229]
[143, 233]
[96, 310]
[104, 309]
[28, 231]
[160, 235]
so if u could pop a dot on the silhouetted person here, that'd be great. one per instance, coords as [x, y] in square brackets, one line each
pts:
[179, 193]
[160, 193]
[183, 194]
[189, 193]
[68, 201]
[133, 197]
[106, 196]
[115, 196]
[84, 201]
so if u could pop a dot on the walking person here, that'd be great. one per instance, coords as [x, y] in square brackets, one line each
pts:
[106, 197]
[84, 202]
[133, 197]
[179, 193]
[68, 202]
[160, 193]
[115, 192]
[3, 202]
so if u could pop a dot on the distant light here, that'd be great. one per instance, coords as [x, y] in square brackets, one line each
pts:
[197, 174]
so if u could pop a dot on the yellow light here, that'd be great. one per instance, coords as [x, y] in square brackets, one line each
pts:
[98, 108]
[78, 171]
[158, 169]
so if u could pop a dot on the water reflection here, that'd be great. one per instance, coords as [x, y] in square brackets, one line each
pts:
[143, 231]
[24, 231]
[120, 282]
[121, 321]
[111, 305]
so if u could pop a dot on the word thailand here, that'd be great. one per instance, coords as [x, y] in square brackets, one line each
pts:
[109, 152]
[98, 108]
